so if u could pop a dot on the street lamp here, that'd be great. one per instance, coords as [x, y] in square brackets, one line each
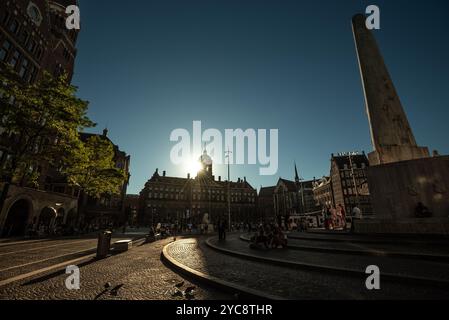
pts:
[228, 156]
[354, 181]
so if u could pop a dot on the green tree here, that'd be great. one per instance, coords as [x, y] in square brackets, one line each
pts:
[39, 122]
[91, 167]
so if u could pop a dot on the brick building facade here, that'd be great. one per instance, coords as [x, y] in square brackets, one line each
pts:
[187, 200]
[347, 183]
[34, 40]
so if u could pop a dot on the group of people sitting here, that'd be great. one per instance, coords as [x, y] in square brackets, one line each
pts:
[334, 218]
[269, 236]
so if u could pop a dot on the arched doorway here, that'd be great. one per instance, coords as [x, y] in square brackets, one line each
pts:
[59, 221]
[17, 219]
[46, 219]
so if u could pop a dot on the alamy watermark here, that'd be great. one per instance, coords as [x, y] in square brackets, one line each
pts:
[73, 281]
[248, 146]
[373, 280]
[74, 17]
[373, 20]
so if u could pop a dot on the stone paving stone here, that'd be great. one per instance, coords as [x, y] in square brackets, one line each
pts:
[20, 259]
[390, 239]
[140, 270]
[407, 248]
[291, 283]
[393, 265]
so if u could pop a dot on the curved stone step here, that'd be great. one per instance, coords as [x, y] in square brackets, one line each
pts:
[214, 281]
[348, 270]
[372, 252]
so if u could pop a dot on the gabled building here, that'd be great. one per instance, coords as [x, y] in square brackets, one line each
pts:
[349, 183]
[287, 198]
[322, 192]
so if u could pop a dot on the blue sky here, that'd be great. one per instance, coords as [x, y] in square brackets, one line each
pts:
[149, 67]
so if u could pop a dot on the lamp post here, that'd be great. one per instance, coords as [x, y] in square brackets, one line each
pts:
[354, 181]
[228, 156]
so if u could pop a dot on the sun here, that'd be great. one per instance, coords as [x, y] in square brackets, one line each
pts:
[193, 166]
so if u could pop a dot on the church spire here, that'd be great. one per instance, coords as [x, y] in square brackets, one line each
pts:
[296, 174]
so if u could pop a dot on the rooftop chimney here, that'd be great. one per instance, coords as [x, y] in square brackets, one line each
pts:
[219, 178]
[188, 176]
[105, 132]
[164, 173]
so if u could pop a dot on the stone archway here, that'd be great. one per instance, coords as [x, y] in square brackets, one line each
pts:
[17, 218]
[59, 220]
[46, 220]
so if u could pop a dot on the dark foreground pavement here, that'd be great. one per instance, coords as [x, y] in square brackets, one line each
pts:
[292, 282]
[140, 271]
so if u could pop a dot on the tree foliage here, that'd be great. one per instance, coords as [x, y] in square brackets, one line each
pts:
[91, 167]
[38, 122]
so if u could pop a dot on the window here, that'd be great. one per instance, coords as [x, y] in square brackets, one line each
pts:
[31, 46]
[39, 53]
[14, 59]
[14, 26]
[31, 75]
[24, 37]
[4, 50]
[23, 68]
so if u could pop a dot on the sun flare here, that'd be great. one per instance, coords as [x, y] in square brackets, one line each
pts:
[193, 166]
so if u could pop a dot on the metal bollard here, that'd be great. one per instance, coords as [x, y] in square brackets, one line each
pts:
[104, 244]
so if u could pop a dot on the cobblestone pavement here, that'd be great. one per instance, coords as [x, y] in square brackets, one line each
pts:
[26, 256]
[392, 265]
[140, 270]
[376, 239]
[291, 283]
[417, 248]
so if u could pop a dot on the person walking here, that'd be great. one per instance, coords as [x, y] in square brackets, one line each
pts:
[356, 212]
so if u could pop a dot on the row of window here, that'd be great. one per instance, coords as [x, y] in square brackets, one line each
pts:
[350, 182]
[199, 191]
[24, 36]
[348, 174]
[198, 197]
[354, 166]
[26, 69]
[351, 191]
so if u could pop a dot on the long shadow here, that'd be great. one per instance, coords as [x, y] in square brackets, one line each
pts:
[62, 271]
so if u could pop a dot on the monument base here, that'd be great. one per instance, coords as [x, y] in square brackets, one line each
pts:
[397, 188]
[427, 226]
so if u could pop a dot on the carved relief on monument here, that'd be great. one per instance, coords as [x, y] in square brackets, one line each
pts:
[412, 190]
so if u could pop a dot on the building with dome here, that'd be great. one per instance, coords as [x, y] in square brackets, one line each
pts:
[187, 200]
